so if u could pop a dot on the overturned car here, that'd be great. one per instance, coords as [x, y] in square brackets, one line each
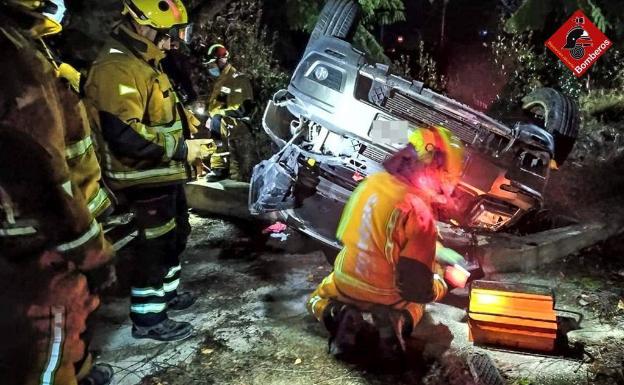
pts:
[342, 117]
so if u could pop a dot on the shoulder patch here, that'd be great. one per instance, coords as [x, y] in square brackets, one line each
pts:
[115, 50]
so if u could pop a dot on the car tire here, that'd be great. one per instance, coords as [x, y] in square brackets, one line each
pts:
[339, 18]
[561, 118]
[483, 370]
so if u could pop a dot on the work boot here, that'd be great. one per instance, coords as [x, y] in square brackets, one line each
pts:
[181, 301]
[100, 374]
[392, 327]
[343, 343]
[216, 174]
[167, 330]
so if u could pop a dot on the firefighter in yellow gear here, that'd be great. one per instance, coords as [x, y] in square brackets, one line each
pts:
[388, 232]
[145, 153]
[230, 107]
[53, 255]
[81, 154]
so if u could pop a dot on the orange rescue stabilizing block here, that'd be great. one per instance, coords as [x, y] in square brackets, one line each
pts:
[512, 315]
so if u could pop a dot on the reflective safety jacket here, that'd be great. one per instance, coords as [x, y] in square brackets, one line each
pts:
[385, 221]
[139, 120]
[48, 173]
[230, 92]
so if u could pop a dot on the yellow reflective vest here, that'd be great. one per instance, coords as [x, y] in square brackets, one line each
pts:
[230, 91]
[139, 119]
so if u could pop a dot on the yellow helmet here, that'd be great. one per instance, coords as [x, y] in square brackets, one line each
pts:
[52, 10]
[158, 14]
[438, 147]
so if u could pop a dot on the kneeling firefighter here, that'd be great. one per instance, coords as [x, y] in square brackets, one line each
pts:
[230, 107]
[387, 265]
[143, 133]
[53, 255]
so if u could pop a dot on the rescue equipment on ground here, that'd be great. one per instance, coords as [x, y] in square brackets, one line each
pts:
[512, 315]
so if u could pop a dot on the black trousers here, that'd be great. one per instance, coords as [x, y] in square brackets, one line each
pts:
[162, 218]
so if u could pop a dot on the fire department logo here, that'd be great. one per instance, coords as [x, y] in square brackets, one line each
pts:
[577, 39]
[578, 43]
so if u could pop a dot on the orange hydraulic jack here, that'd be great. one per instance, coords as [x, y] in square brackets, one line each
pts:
[511, 315]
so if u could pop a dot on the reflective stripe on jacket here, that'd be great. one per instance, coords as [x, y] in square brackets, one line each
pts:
[140, 128]
[83, 163]
[43, 204]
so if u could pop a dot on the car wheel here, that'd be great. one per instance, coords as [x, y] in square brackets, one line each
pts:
[483, 370]
[561, 118]
[339, 18]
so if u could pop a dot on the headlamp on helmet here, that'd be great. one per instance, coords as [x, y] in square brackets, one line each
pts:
[216, 52]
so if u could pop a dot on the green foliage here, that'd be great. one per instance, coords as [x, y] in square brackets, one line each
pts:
[382, 12]
[533, 14]
[528, 64]
[366, 42]
[251, 47]
[597, 16]
[252, 53]
[530, 16]
[422, 68]
[302, 16]
[528, 67]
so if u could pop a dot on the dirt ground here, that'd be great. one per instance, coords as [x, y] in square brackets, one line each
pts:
[251, 326]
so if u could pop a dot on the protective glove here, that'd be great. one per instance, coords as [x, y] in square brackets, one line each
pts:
[193, 122]
[198, 149]
[69, 73]
[455, 273]
[448, 256]
[456, 276]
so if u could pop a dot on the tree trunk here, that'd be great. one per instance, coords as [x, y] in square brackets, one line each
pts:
[443, 24]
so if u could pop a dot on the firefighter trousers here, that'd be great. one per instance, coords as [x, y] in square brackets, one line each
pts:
[44, 313]
[161, 215]
[327, 292]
